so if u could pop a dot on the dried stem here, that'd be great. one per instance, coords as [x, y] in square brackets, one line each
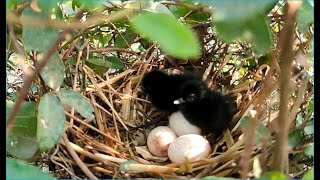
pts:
[74, 155]
[286, 58]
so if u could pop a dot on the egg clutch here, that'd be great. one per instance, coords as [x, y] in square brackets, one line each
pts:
[195, 109]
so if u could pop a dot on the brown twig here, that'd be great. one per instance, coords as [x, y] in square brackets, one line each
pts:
[61, 24]
[74, 155]
[112, 49]
[28, 79]
[286, 56]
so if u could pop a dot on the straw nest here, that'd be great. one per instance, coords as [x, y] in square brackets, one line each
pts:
[106, 143]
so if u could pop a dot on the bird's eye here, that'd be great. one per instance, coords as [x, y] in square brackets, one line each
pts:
[191, 98]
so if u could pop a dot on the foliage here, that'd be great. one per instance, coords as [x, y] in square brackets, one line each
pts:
[235, 39]
[18, 169]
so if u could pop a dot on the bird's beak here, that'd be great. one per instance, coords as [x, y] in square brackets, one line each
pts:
[178, 101]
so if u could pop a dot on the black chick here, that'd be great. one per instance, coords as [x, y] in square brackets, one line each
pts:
[163, 88]
[209, 110]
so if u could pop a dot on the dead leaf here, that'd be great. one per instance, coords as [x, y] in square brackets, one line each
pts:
[144, 152]
[112, 133]
[35, 6]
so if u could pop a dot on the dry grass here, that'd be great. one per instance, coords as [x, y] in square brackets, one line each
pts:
[100, 145]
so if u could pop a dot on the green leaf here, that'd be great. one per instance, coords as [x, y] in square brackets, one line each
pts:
[244, 121]
[260, 133]
[91, 5]
[97, 68]
[309, 150]
[51, 8]
[76, 100]
[246, 22]
[274, 175]
[76, 3]
[23, 136]
[150, 6]
[51, 121]
[180, 11]
[299, 119]
[37, 38]
[309, 129]
[172, 36]
[309, 175]
[101, 66]
[104, 39]
[14, 3]
[295, 137]
[115, 62]
[18, 169]
[305, 16]
[121, 41]
[311, 105]
[53, 72]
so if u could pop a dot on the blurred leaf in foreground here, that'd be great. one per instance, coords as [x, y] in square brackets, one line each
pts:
[172, 36]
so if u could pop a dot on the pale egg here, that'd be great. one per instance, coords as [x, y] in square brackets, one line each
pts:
[179, 124]
[190, 147]
[159, 139]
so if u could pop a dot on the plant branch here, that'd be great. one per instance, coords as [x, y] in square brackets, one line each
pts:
[286, 58]
[60, 24]
[30, 76]
[28, 79]
[74, 155]
[187, 5]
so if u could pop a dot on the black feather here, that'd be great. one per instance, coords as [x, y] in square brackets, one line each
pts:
[210, 110]
[163, 88]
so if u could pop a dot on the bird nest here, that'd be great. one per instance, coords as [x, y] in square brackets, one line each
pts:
[113, 144]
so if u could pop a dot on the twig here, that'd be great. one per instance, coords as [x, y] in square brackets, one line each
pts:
[299, 100]
[28, 79]
[112, 49]
[77, 72]
[105, 157]
[187, 5]
[286, 56]
[91, 127]
[53, 159]
[249, 136]
[74, 155]
[60, 24]
[149, 168]
[103, 97]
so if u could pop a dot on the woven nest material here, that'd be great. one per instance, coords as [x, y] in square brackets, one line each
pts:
[107, 142]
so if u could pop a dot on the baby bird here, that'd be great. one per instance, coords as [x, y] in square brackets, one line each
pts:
[163, 88]
[209, 110]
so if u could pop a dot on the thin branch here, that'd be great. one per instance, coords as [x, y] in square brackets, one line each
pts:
[286, 58]
[28, 79]
[74, 155]
[61, 24]
[187, 5]
[112, 49]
